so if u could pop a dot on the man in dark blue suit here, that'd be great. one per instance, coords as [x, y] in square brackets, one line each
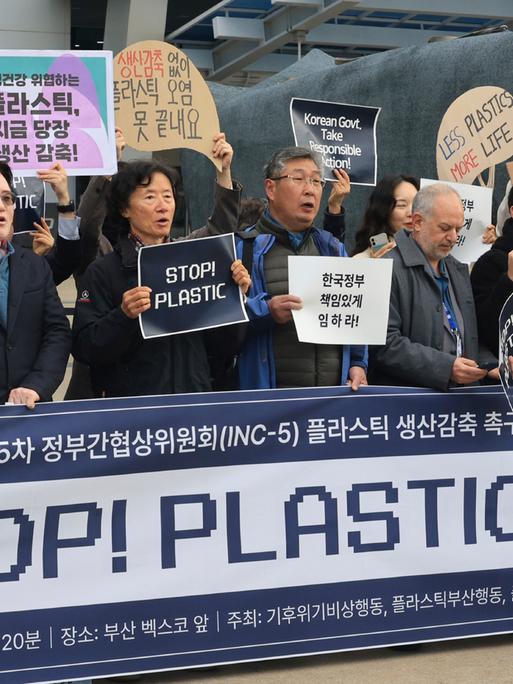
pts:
[35, 337]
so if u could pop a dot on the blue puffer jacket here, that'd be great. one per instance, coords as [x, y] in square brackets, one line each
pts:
[256, 360]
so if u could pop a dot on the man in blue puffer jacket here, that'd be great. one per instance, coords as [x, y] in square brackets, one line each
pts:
[272, 355]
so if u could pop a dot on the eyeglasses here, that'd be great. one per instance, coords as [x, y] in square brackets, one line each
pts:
[316, 183]
[8, 199]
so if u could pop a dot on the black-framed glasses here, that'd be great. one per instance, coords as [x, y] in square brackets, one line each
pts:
[316, 183]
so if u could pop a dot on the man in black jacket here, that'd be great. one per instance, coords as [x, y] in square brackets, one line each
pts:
[35, 338]
[492, 283]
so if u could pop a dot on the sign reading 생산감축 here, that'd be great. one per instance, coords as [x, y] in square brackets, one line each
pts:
[477, 207]
[476, 133]
[153, 533]
[56, 106]
[343, 134]
[344, 301]
[192, 287]
[162, 101]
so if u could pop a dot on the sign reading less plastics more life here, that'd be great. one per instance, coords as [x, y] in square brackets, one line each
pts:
[192, 286]
[57, 107]
[161, 100]
[343, 134]
[475, 134]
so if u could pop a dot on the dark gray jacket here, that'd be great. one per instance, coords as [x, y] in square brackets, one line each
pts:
[413, 353]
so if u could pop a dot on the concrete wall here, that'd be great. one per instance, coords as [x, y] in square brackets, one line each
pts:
[414, 86]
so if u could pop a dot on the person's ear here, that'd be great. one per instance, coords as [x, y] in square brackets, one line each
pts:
[270, 187]
[416, 221]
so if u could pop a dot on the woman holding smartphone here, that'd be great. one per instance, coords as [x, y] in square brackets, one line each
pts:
[388, 212]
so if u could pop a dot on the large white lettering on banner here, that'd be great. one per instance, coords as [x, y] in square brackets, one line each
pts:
[151, 533]
[477, 205]
[345, 301]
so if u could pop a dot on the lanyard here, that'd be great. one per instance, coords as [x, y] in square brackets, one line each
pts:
[454, 329]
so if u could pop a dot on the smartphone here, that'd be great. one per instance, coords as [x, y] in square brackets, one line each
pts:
[378, 241]
[489, 365]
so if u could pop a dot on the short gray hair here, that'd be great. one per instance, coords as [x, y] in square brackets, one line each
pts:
[276, 163]
[426, 197]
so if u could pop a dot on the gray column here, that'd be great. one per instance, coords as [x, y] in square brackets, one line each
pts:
[30, 25]
[127, 22]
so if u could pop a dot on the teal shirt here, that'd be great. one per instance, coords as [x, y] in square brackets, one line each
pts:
[4, 285]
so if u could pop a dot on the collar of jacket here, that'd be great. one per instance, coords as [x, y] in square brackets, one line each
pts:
[267, 224]
[413, 255]
[126, 251]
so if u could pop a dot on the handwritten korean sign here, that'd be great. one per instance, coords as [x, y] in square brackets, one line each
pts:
[161, 100]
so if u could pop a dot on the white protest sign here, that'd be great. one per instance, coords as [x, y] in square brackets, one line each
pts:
[477, 205]
[506, 349]
[345, 301]
[343, 134]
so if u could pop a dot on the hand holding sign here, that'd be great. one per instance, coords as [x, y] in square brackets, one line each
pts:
[222, 151]
[282, 306]
[241, 276]
[43, 240]
[339, 191]
[136, 301]
[57, 178]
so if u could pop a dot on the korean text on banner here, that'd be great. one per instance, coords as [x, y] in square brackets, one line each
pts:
[152, 533]
[57, 106]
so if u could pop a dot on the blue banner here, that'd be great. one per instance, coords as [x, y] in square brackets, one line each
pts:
[146, 534]
[343, 134]
[192, 286]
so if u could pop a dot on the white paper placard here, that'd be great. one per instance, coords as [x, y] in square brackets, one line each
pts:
[345, 301]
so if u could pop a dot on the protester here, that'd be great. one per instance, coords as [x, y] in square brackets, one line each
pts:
[34, 331]
[388, 211]
[99, 234]
[432, 330]
[271, 355]
[492, 282]
[63, 255]
[106, 327]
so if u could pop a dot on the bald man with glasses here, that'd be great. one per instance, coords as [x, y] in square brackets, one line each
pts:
[272, 355]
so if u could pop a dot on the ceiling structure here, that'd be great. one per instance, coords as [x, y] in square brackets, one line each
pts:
[241, 42]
